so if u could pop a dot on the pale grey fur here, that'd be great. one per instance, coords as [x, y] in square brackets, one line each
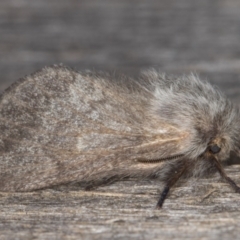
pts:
[197, 107]
[60, 126]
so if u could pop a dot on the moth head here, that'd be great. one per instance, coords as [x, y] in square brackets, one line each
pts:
[217, 133]
[220, 148]
[199, 109]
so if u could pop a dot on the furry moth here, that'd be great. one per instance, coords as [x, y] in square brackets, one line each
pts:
[58, 126]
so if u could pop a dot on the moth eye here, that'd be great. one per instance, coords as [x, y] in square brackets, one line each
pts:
[214, 149]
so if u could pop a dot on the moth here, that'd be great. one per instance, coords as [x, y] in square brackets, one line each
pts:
[59, 126]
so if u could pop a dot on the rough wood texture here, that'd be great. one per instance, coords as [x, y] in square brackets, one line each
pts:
[176, 36]
[199, 209]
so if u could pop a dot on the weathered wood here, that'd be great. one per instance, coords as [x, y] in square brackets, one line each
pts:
[175, 36]
[205, 208]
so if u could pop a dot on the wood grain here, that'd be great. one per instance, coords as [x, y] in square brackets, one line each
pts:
[205, 208]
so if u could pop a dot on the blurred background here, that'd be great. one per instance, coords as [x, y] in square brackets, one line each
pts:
[175, 36]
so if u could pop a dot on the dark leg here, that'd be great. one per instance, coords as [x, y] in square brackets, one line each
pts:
[224, 175]
[173, 178]
[163, 196]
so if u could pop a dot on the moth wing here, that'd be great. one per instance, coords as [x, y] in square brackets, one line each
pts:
[59, 126]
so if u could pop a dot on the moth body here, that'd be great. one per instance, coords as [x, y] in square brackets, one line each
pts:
[59, 126]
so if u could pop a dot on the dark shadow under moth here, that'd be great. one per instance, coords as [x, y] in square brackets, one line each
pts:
[59, 126]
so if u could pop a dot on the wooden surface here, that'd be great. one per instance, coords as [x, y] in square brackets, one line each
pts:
[174, 36]
[199, 209]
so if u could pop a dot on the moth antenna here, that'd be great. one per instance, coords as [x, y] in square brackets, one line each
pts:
[156, 160]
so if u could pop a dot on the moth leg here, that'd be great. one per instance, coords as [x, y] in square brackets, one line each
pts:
[224, 175]
[163, 197]
[174, 177]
